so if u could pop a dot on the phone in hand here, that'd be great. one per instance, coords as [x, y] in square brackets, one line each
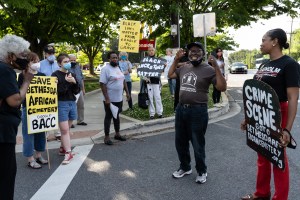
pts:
[213, 53]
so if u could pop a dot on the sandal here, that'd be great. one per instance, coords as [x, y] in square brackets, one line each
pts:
[119, 137]
[251, 197]
[34, 165]
[108, 142]
[41, 160]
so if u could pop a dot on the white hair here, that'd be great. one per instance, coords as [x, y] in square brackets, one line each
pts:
[72, 55]
[12, 44]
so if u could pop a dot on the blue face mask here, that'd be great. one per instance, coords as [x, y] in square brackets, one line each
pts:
[51, 58]
[123, 57]
[67, 66]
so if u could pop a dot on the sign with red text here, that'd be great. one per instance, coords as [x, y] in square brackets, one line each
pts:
[129, 36]
[263, 119]
[145, 44]
[41, 104]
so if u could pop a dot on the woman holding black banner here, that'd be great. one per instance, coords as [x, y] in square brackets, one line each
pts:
[282, 74]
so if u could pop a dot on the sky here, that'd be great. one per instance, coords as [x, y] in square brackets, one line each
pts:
[249, 37]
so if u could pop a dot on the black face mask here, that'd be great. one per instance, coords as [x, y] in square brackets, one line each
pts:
[73, 64]
[22, 63]
[114, 64]
[196, 63]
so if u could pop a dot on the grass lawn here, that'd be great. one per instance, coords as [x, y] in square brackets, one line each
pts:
[168, 105]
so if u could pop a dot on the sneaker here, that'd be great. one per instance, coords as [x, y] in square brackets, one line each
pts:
[72, 126]
[160, 116]
[180, 173]
[151, 117]
[201, 178]
[68, 158]
[62, 151]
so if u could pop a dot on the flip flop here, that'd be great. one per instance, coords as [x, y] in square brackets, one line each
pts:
[34, 165]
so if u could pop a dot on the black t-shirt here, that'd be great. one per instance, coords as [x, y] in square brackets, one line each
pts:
[280, 74]
[20, 82]
[10, 117]
[66, 91]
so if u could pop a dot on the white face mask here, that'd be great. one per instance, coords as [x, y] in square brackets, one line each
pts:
[35, 66]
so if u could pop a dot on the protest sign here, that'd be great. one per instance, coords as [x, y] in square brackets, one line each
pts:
[151, 67]
[41, 104]
[129, 37]
[263, 119]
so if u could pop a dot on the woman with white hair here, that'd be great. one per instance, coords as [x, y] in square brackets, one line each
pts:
[13, 55]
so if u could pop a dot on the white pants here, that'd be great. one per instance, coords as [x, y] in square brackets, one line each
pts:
[154, 91]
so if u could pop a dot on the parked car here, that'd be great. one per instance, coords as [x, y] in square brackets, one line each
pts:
[238, 67]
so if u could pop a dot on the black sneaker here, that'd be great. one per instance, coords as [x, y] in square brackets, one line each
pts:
[151, 117]
[160, 116]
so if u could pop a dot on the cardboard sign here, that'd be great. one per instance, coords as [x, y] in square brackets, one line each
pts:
[41, 104]
[129, 37]
[151, 67]
[263, 118]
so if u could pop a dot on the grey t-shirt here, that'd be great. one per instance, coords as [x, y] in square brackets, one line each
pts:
[194, 83]
[113, 78]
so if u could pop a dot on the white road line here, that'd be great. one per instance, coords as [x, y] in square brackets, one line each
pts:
[56, 185]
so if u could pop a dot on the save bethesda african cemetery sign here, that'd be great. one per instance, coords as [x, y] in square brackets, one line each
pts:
[263, 119]
[151, 67]
[41, 104]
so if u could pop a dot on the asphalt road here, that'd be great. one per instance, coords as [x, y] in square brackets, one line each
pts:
[141, 168]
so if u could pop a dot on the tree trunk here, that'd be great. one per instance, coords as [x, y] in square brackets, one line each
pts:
[91, 64]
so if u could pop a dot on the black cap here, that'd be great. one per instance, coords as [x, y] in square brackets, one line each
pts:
[49, 49]
[198, 44]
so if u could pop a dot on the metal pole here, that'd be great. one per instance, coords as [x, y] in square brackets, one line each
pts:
[291, 37]
[178, 28]
[204, 31]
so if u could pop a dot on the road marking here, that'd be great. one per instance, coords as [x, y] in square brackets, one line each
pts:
[56, 185]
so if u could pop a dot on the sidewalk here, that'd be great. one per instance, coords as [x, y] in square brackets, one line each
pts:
[94, 117]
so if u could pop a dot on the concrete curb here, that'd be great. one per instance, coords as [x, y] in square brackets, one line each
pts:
[138, 127]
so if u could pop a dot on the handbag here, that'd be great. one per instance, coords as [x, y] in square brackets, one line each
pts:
[143, 99]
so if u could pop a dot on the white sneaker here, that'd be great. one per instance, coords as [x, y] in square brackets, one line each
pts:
[201, 178]
[180, 173]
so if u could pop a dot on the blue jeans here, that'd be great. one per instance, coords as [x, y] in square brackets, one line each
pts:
[172, 85]
[67, 110]
[190, 124]
[31, 142]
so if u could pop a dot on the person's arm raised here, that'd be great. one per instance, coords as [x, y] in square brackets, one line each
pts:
[171, 74]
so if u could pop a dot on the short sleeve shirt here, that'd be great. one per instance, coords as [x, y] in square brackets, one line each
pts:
[10, 117]
[280, 74]
[195, 82]
[48, 68]
[125, 66]
[113, 78]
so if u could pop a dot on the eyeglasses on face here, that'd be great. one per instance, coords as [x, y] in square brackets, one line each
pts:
[195, 51]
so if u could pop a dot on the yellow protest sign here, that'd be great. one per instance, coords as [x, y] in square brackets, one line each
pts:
[129, 36]
[41, 104]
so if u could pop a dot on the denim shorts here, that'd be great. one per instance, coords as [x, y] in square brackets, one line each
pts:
[67, 110]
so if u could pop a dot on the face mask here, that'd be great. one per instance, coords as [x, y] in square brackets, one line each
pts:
[51, 58]
[35, 66]
[114, 64]
[67, 66]
[123, 57]
[196, 63]
[22, 63]
[73, 64]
